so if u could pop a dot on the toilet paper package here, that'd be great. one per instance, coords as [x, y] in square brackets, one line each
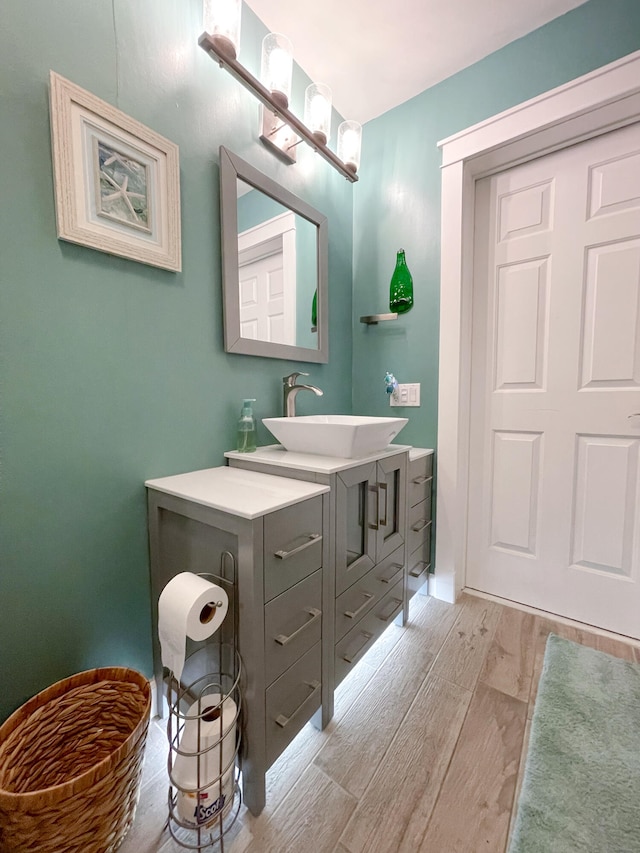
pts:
[189, 606]
[205, 761]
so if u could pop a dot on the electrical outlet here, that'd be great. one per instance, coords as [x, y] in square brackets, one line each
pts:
[406, 395]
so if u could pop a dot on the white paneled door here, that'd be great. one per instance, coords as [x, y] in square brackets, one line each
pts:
[554, 491]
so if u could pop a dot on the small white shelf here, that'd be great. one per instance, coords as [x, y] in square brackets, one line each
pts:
[372, 319]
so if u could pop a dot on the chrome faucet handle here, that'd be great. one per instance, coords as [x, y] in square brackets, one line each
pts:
[290, 380]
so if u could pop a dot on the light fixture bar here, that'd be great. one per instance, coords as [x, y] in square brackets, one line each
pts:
[209, 45]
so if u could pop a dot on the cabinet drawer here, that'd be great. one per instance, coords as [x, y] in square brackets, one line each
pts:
[292, 545]
[292, 624]
[419, 523]
[351, 648]
[358, 600]
[419, 565]
[291, 701]
[420, 479]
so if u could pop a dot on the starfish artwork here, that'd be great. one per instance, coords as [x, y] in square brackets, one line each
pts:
[123, 188]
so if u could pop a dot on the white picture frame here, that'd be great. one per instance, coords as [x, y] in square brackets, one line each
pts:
[117, 182]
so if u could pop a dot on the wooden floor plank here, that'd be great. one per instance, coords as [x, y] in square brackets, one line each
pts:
[462, 654]
[474, 808]
[393, 812]
[508, 665]
[361, 739]
[523, 758]
[312, 817]
[433, 621]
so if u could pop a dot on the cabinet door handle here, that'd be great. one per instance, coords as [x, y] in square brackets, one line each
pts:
[383, 488]
[283, 721]
[420, 480]
[420, 525]
[374, 524]
[350, 657]
[416, 571]
[385, 617]
[353, 613]
[313, 538]
[315, 614]
[388, 578]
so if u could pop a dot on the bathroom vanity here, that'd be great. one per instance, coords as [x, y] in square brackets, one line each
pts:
[324, 553]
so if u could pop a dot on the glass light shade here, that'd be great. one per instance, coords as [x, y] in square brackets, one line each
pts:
[277, 67]
[350, 144]
[317, 111]
[221, 20]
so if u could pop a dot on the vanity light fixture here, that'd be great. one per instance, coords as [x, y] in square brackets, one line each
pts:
[317, 111]
[350, 144]
[275, 75]
[222, 19]
[281, 129]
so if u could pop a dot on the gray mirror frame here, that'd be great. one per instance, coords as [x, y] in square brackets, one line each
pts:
[233, 167]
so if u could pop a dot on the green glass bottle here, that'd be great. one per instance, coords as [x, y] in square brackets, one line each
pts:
[401, 287]
[314, 312]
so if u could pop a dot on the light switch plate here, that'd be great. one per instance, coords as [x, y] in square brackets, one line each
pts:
[406, 395]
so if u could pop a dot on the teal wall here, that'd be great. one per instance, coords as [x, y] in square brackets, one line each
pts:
[113, 372]
[397, 200]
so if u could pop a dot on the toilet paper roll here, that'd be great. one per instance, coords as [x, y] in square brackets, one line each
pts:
[189, 606]
[207, 745]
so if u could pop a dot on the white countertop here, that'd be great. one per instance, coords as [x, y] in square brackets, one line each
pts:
[275, 454]
[419, 452]
[248, 494]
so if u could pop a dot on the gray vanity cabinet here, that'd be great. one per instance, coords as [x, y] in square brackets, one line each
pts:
[268, 537]
[368, 524]
[420, 481]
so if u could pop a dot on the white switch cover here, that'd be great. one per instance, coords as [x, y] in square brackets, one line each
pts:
[406, 395]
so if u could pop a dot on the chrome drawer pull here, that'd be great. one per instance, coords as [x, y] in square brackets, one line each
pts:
[315, 614]
[353, 613]
[420, 480]
[313, 538]
[351, 657]
[390, 577]
[395, 602]
[420, 525]
[283, 721]
[416, 574]
[383, 488]
[373, 525]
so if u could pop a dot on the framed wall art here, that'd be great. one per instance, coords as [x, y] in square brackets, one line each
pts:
[117, 182]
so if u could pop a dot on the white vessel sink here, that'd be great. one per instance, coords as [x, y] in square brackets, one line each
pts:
[345, 436]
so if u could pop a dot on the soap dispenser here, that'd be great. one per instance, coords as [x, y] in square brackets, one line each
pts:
[247, 428]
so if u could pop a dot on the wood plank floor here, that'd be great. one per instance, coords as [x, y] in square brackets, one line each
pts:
[425, 751]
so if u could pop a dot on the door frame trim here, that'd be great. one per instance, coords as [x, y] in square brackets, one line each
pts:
[603, 100]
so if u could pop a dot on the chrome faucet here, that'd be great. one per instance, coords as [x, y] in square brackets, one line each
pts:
[290, 392]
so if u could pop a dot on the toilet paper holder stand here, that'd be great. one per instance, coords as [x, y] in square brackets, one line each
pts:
[204, 807]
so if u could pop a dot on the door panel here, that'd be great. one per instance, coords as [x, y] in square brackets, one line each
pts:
[554, 486]
[611, 327]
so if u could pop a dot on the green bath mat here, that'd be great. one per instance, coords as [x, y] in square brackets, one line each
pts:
[581, 785]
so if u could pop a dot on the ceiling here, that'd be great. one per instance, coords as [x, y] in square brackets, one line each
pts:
[375, 55]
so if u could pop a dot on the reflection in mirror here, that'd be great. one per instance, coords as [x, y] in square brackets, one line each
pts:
[276, 269]
[274, 248]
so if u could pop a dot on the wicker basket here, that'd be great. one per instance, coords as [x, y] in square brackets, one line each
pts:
[70, 764]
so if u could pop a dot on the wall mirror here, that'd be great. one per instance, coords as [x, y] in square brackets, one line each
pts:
[274, 267]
